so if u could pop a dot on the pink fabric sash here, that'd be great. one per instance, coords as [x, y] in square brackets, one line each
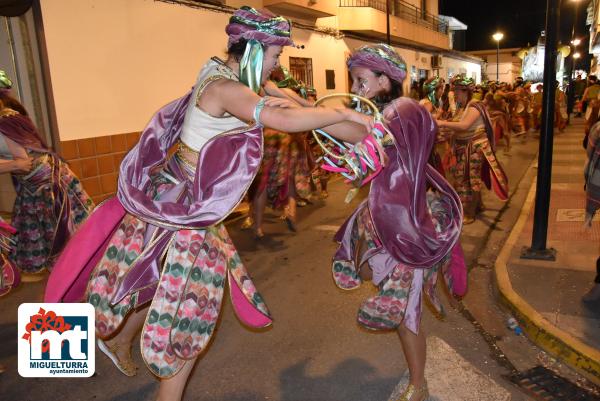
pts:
[70, 275]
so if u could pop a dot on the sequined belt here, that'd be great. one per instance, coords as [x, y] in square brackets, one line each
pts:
[182, 151]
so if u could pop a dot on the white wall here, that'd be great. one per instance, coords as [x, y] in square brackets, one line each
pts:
[113, 63]
[508, 72]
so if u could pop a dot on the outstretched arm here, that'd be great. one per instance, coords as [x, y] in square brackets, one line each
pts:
[240, 101]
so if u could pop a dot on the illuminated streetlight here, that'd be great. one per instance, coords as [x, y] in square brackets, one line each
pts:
[498, 37]
[576, 42]
[576, 55]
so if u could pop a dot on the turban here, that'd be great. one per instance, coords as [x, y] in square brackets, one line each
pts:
[269, 29]
[381, 58]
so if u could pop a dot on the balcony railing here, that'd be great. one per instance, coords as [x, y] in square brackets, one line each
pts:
[403, 10]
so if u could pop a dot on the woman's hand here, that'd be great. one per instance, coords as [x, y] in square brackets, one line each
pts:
[22, 165]
[359, 118]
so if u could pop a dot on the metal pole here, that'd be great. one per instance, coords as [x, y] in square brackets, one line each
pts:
[387, 16]
[544, 177]
[498, 60]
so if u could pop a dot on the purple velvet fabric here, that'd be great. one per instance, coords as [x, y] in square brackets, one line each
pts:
[226, 167]
[397, 199]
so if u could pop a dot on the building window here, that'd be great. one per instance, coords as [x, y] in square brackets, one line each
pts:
[413, 74]
[450, 73]
[301, 69]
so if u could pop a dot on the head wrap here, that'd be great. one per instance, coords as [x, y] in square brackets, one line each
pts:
[381, 58]
[461, 82]
[5, 82]
[292, 83]
[258, 28]
[269, 29]
[430, 86]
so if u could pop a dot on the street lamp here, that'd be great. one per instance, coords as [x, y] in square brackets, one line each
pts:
[576, 55]
[498, 37]
[576, 42]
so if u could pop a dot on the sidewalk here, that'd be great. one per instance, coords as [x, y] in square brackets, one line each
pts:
[546, 296]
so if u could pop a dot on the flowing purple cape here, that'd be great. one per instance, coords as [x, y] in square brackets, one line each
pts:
[397, 199]
[226, 167]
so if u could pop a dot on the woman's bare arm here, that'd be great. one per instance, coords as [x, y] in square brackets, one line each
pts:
[272, 90]
[238, 100]
[465, 122]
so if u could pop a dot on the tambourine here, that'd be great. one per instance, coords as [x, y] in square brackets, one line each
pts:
[359, 163]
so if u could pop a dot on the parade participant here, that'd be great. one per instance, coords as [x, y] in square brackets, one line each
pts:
[474, 150]
[560, 109]
[519, 111]
[162, 263]
[579, 88]
[537, 106]
[591, 104]
[499, 118]
[403, 234]
[433, 89]
[50, 202]
[592, 186]
[284, 175]
[9, 274]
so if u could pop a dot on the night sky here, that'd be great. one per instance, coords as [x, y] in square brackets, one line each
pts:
[521, 21]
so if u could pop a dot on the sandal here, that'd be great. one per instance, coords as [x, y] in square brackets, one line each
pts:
[247, 223]
[468, 220]
[414, 394]
[126, 366]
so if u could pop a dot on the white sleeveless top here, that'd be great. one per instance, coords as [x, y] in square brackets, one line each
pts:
[198, 125]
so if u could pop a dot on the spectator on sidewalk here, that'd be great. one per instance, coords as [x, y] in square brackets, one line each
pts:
[592, 186]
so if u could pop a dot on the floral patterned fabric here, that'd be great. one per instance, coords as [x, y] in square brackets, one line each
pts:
[285, 159]
[400, 293]
[38, 213]
[187, 300]
[471, 154]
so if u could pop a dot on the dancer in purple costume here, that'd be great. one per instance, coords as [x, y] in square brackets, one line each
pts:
[163, 263]
[407, 230]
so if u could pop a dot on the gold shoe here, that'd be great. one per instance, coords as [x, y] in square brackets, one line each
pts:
[247, 223]
[414, 394]
[468, 220]
[126, 366]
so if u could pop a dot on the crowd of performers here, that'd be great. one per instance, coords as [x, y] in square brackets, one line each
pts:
[157, 257]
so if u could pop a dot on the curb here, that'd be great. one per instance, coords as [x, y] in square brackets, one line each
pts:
[557, 342]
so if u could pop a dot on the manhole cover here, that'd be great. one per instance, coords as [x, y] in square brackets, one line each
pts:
[545, 385]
